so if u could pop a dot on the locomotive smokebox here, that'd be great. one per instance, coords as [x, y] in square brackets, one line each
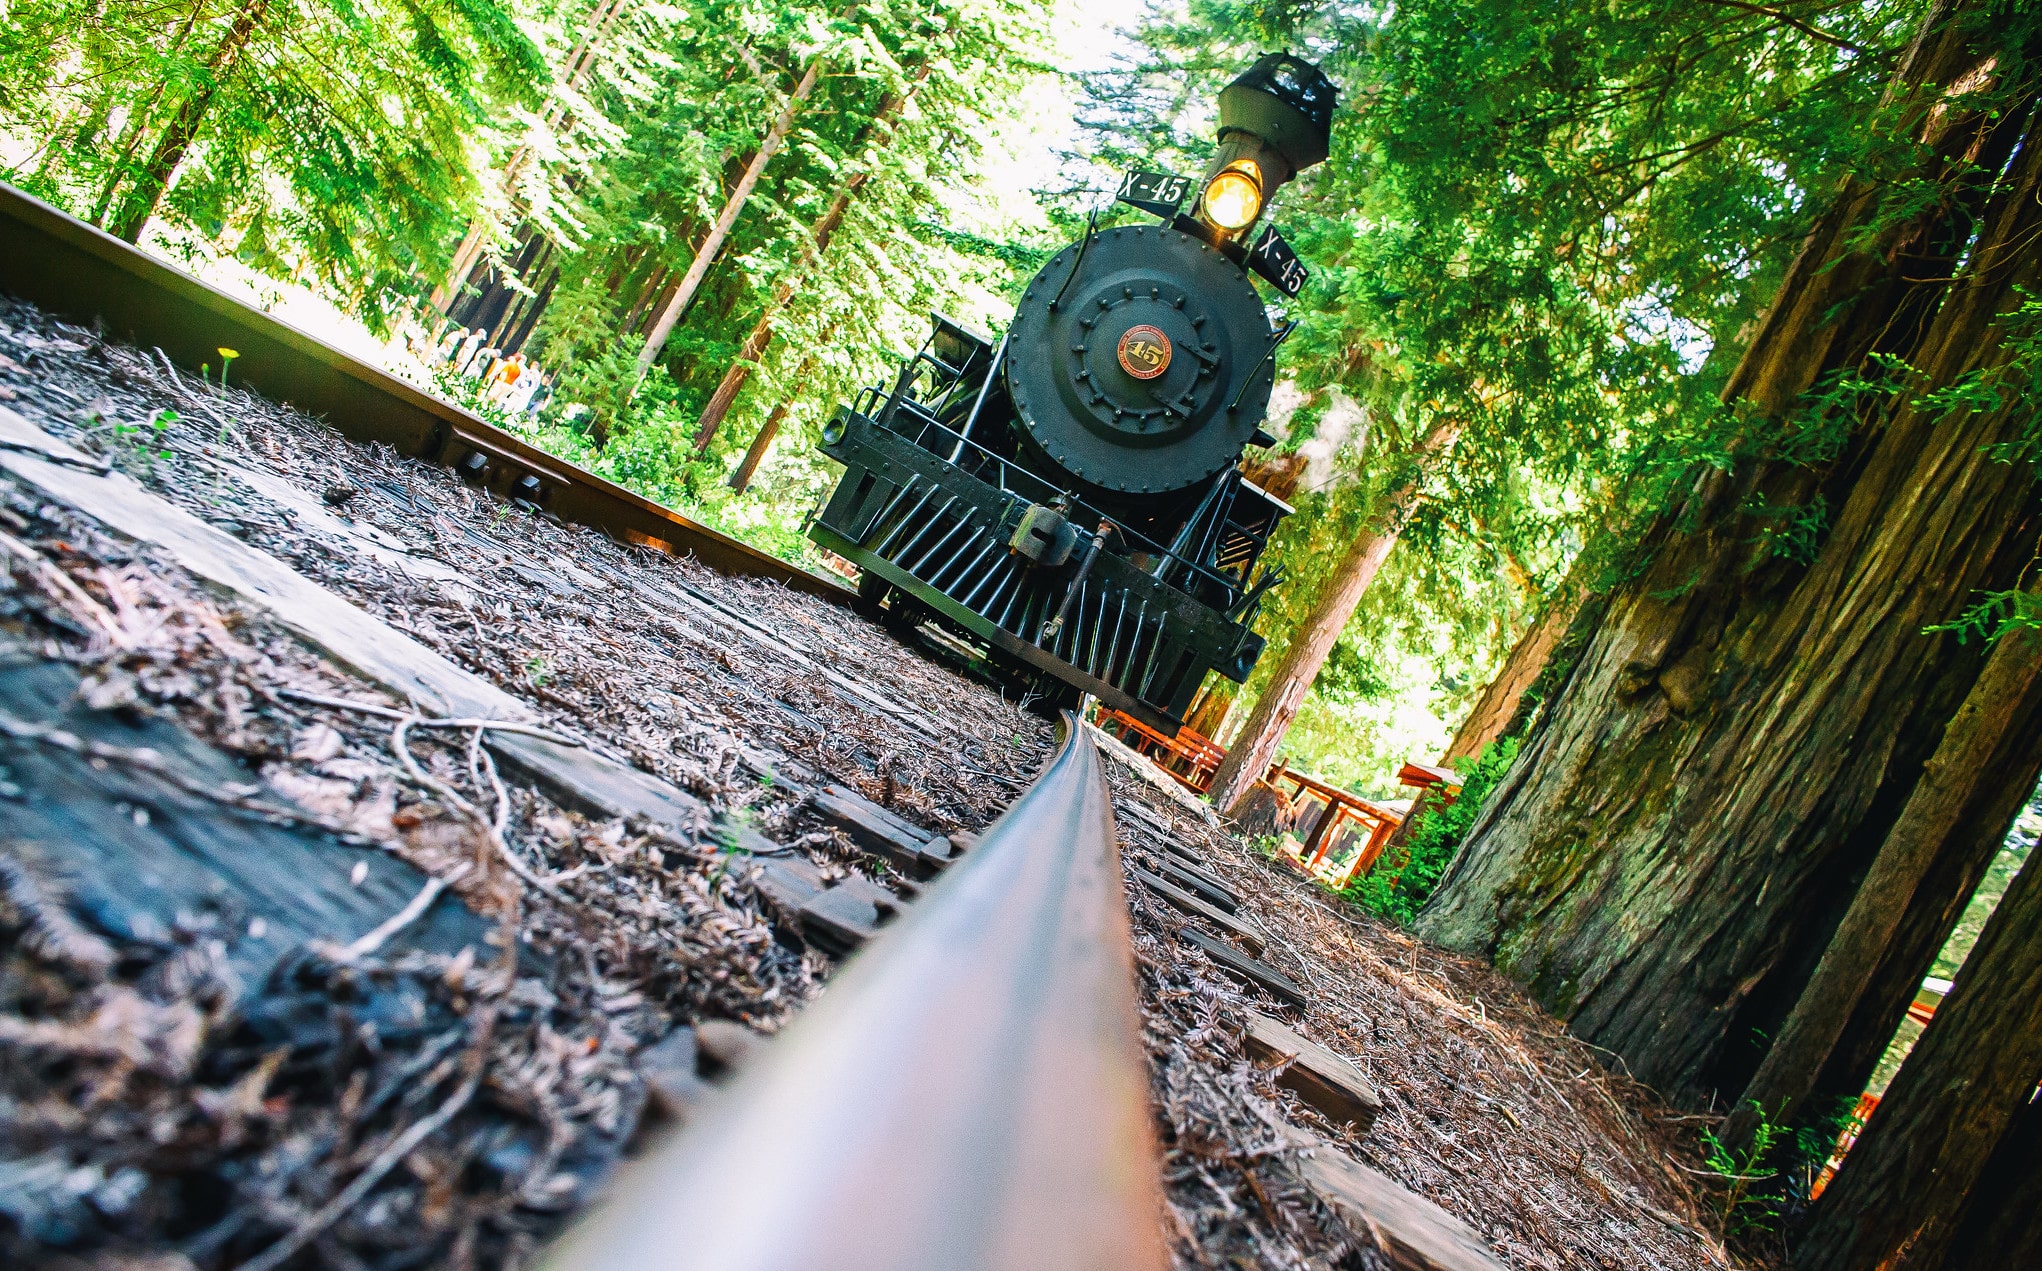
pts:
[1139, 361]
[1136, 362]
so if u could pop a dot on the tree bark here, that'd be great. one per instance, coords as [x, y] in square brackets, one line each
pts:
[1899, 1194]
[2007, 695]
[176, 140]
[818, 242]
[1939, 901]
[2002, 1221]
[741, 480]
[139, 121]
[1682, 833]
[1278, 704]
[705, 256]
[1209, 712]
[1497, 706]
[600, 20]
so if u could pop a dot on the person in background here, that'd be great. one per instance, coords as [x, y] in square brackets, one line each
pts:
[450, 343]
[519, 399]
[470, 348]
[481, 364]
[503, 378]
[541, 394]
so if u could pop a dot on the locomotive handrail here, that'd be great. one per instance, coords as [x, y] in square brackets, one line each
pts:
[1079, 509]
[970, 1092]
[978, 403]
[886, 408]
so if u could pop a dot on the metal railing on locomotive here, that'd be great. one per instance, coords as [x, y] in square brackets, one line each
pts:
[970, 1093]
[1177, 564]
[1137, 652]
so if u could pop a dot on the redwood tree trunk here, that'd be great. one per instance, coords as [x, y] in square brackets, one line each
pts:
[2002, 1222]
[812, 250]
[1901, 1191]
[1278, 704]
[595, 29]
[1678, 840]
[1939, 901]
[1497, 706]
[2006, 702]
[754, 455]
[712, 245]
[170, 149]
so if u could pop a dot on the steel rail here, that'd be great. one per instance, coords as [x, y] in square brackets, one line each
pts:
[969, 1094]
[71, 269]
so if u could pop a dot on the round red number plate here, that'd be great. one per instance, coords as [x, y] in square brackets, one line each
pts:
[1144, 352]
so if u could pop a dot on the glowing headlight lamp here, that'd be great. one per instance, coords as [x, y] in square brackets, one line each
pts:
[1233, 198]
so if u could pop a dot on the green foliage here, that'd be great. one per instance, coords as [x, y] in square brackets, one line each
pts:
[1994, 614]
[328, 140]
[1400, 891]
[1552, 225]
[1792, 531]
[684, 124]
[1773, 1175]
[2011, 383]
[1746, 1207]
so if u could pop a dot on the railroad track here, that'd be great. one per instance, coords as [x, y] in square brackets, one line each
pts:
[71, 269]
[973, 1092]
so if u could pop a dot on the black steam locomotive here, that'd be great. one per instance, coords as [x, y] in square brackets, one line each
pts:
[1067, 506]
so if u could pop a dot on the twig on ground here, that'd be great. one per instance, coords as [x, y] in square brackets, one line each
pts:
[66, 592]
[460, 804]
[399, 1148]
[97, 466]
[371, 941]
[424, 721]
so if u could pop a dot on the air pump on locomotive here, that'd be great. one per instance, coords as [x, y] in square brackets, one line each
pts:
[1068, 504]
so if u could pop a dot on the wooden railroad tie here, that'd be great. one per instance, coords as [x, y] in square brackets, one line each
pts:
[1239, 928]
[1322, 1079]
[1231, 960]
[1418, 1235]
[1204, 885]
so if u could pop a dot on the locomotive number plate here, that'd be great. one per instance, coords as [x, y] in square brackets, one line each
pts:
[1157, 193]
[1144, 352]
[1273, 259]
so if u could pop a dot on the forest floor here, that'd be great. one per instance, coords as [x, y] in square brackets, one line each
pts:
[423, 1100]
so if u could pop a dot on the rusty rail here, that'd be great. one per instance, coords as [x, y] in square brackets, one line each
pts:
[970, 1093]
[69, 268]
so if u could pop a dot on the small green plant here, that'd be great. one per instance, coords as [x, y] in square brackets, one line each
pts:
[1400, 890]
[1795, 530]
[731, 845]
[1746, 1208]
[538, 670]
[1994, 615]
[227, 357]
[143, 445]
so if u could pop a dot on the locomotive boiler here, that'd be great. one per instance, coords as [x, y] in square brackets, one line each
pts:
[1066, 508]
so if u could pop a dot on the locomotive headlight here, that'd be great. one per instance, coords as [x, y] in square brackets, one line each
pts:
[1232, 199]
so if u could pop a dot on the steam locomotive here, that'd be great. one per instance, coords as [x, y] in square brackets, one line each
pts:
[1066, 508]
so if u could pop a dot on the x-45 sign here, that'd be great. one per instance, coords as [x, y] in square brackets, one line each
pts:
[1273, 259]
[1157, 193]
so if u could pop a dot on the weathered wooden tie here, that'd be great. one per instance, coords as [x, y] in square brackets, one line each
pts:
[1420, 1236]
[1256, 973]
[1183, 900]
[1325, 1081]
